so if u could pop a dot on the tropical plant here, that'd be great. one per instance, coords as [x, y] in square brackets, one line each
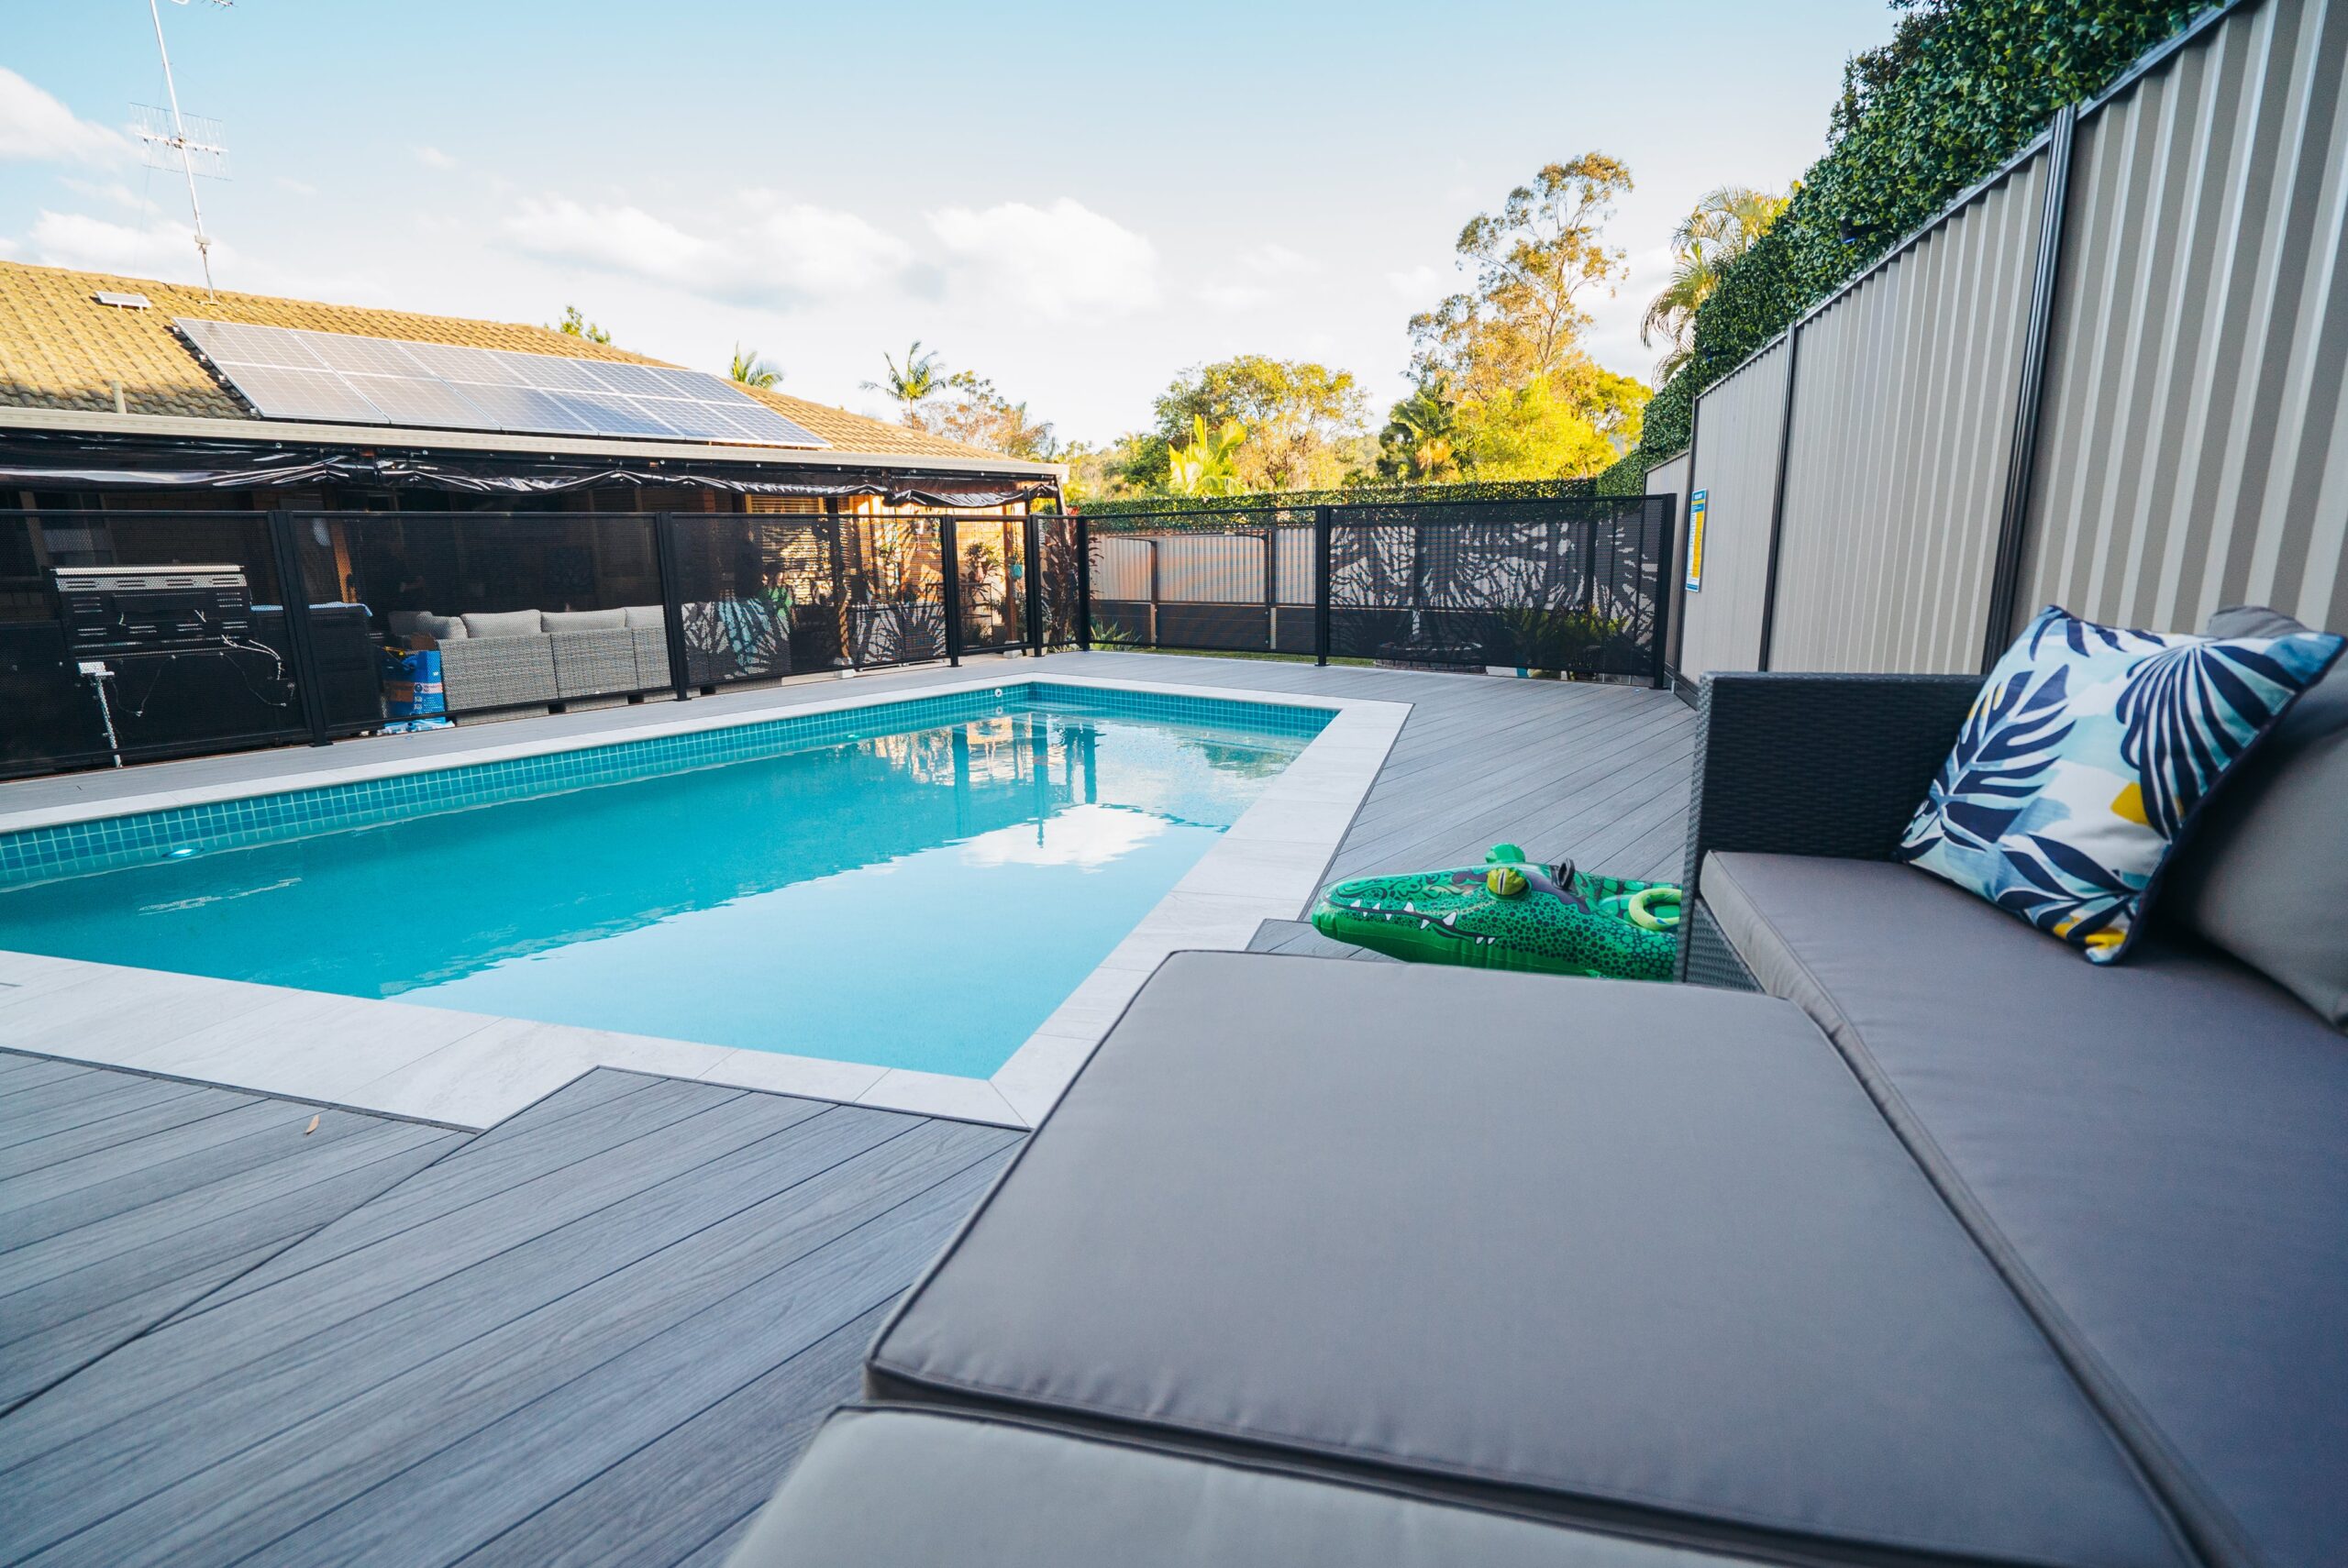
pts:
[1723, 226]
[575, 325]
[752, 370]
[920, 378]
[1208, 466]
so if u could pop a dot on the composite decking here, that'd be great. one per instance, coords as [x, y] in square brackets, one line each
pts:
[597, 1332]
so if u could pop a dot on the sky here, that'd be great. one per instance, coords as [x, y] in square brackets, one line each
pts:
[1077, 201]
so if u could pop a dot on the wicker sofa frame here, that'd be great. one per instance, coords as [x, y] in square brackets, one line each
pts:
[1830, 764]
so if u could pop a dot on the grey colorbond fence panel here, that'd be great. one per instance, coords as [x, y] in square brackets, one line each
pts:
[1671, 479]
[1738, 424]
[2194, 452]
[1903, 417]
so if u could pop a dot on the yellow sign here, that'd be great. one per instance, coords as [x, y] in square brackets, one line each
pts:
[1695, 507]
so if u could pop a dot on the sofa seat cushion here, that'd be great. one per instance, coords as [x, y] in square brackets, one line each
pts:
[2158, 1152]
[1001, 1494]
[1600, 1247]
[505, 624]
[585, 620]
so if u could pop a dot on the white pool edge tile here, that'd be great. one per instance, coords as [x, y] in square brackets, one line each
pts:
[494, 1066]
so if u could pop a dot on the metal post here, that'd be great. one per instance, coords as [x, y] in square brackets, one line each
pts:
[1031, 543]
[1083, 585]
[1778, 500]
[287, 550]
[666, 561]
[1323, 521]
[1664, 585]
[2030, 397]
[948, 549]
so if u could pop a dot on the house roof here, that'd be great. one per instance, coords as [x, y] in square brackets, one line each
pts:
[62, 349]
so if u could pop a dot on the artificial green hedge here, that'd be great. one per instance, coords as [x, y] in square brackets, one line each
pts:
[1961, 87]
[1355, 495]
[1627, 475]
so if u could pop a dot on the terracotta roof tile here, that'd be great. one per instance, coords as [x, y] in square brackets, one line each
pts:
[60, 348]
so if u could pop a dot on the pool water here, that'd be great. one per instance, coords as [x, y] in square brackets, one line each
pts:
[922, 898]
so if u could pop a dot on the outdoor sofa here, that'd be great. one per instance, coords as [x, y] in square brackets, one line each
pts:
[1952, 1248]
[515, 659]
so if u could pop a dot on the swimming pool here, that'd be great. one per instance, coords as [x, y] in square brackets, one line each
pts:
[914, 884]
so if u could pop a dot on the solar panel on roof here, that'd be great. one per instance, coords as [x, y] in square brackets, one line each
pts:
[288, 373]
[305, 394]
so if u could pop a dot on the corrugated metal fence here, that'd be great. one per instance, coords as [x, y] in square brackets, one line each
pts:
[2109, 377]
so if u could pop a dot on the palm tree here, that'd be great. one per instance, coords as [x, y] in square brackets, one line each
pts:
[1206, 466]
[752, 370]
[914, 383]
[1722, 227]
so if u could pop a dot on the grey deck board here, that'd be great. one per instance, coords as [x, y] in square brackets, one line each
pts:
[728, 1454]
[138, 1205]
[542, 1340]
[145, 1121]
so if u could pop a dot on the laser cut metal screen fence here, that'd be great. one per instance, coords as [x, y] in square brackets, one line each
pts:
[1574, 584]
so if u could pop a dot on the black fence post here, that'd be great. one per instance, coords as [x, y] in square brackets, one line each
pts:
[1778, 496]
[1031, 544]
[948, 551]
[1323, 521]
[287, 550]
[2030, 397]
[1665, 511]
[673, 602]
[1083, 584]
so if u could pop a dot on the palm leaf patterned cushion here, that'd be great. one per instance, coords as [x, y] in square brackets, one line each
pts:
[2085, 760]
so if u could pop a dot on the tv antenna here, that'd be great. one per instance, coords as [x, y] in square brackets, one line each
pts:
[168, 140]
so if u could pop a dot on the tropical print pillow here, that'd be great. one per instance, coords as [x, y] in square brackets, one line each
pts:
[2085, 759]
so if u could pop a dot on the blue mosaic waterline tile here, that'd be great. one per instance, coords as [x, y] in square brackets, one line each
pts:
[145, 838]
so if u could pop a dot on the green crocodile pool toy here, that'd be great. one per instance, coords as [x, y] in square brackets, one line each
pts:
[1508, 914]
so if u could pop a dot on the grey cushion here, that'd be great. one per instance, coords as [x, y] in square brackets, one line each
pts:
[1604, 1247]
[2160, 1148]
[423, 623]
[645, 615]
[2266, 873]
[585, 620]
[911, 1489]
[505, 624]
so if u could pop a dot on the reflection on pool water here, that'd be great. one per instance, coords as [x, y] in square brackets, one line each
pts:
[918, 899]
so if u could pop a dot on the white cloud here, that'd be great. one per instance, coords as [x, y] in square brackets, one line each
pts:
[37, 128]
[163, 250]
[1416, 282]
[1062, 262]
[1276, 260]
[113, 192]
[781, 254]
[433, 158]
[298, 187]
[821, 251]
[1233, 296]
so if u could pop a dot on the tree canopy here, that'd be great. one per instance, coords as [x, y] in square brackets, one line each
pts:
[1535, 263]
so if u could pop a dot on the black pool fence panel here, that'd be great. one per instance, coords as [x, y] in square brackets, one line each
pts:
[133, 635]
[136, 635]
[1568, 584]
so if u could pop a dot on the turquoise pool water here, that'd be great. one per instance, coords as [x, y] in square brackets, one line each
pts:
[910, 897]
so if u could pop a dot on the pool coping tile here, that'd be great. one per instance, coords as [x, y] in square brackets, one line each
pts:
[474, 1069]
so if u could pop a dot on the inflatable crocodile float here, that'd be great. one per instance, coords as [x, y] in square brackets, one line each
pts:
[1510, 913]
